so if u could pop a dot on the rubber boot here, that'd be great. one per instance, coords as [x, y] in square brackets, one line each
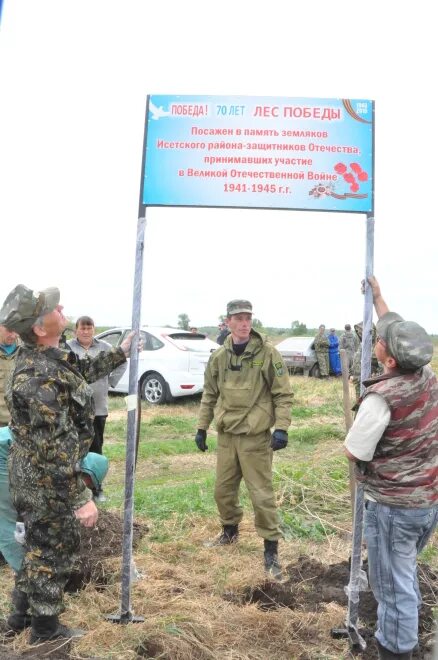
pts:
[386, 654]
[272, 565]
[230, 534]
[45, 628]
[19, 619]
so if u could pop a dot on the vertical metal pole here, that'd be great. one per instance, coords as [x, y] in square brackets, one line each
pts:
[354, 586]
[368, 303]
[133, 411]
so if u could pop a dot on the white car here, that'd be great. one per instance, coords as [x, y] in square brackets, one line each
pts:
[299, 355]
[171, 364]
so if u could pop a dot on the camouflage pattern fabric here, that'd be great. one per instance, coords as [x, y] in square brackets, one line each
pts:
[376, 369]
[6, 365]
[404, 468]
[406, 341]
[23, 307]
[52, 413]
[321, 344]
[239, 306]
[350, 343]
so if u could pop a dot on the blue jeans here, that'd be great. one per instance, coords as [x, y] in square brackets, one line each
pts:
[394, 537]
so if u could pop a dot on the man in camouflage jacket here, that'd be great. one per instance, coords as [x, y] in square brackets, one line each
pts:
[247, 389]
[52, 412]
[395, 440]
[321, 344]
[350, 343]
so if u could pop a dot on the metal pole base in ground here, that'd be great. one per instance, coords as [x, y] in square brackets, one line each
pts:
[357, 642]
[127, 617]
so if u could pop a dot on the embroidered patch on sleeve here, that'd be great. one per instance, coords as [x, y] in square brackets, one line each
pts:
[279, 369]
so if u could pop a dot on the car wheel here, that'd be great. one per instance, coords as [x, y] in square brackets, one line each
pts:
[315, 372]
[154, 389]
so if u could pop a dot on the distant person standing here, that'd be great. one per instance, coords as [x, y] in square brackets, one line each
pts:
[334, 357]
[8, 351]
[223, 333]
[350, 343]
[321, 344]
[86, 345]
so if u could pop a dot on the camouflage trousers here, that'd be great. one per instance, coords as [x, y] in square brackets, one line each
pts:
[323, 362]
[52, 537]
[250, 457]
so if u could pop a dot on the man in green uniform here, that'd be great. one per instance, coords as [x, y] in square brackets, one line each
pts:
[52, 413]
[248, 391]
[321, 345]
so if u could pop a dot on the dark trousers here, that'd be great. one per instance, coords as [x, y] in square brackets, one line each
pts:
[99, 427]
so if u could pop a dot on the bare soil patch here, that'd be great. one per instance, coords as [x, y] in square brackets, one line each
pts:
[98, 544]
[311, 585]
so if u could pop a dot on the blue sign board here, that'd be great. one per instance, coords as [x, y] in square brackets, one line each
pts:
[259, 152]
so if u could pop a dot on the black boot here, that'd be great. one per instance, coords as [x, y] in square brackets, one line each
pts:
[45, 628]
[386, 654]
[230, 534]
[272, 565]
[19, 619]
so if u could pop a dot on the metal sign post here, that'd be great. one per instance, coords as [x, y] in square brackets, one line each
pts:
[247, 152]
[126, 615]
[358, 581]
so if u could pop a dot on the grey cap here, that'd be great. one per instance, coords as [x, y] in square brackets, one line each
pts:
[406, 341]
[238, 307]
[23, 307]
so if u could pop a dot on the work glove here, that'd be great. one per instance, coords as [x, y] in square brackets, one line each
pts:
[279, 440]
[200, 439]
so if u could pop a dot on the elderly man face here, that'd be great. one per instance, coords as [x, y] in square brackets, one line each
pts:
[54, 322]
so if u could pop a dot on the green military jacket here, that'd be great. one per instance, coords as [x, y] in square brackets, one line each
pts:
[6, 365]
[246, 394]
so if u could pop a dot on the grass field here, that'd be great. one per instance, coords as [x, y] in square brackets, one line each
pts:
[191, 595]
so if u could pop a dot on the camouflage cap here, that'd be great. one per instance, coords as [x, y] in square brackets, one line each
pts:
[359, 331]
[406, 341]
[238, 307]
[23, 307]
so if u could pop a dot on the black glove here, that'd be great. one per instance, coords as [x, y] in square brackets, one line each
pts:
[200, 439]
[279, 440]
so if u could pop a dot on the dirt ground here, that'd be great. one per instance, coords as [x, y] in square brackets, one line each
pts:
[311, 585]
[308, 587]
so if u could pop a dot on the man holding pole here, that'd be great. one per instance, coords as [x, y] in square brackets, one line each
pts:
[52, 412]
[394, 440]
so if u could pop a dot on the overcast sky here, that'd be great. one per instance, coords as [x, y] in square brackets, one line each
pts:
[74, 76]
